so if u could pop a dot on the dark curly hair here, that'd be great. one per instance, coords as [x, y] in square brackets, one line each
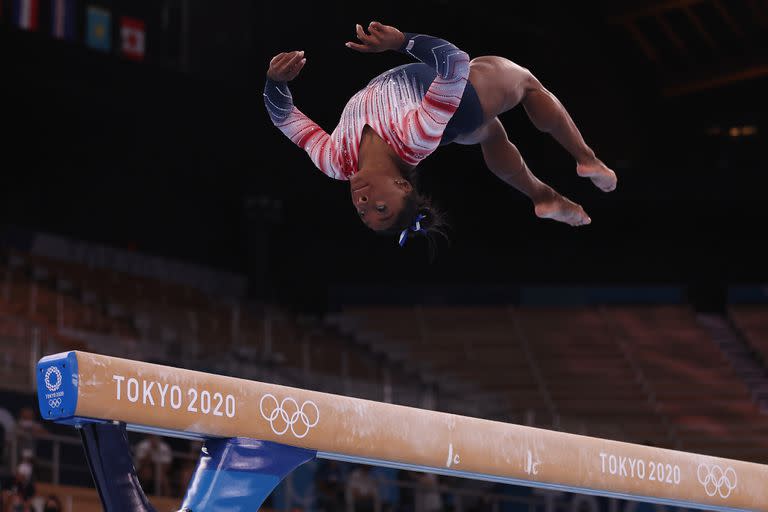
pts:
[433, 223]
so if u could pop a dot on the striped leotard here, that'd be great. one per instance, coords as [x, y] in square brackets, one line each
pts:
[414, 108]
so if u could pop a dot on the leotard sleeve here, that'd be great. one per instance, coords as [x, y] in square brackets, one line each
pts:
[304, 132]
[423, 128]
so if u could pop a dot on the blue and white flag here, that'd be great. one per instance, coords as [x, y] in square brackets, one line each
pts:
[99, 35]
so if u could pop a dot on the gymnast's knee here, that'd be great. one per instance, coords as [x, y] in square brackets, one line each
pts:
[531, 85]
[539, 104]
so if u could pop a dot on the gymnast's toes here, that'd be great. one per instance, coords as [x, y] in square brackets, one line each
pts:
[563, 210]
[603, 177]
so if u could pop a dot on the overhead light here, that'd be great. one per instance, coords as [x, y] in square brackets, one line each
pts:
[748, 130]
[742, 131]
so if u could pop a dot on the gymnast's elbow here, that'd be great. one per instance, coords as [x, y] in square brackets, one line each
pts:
[458, 66]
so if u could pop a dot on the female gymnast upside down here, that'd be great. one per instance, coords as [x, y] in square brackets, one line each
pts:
[403, 115]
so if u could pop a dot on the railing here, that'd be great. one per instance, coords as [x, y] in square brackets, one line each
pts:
[61, 470]
[457, 497]
[60, 460]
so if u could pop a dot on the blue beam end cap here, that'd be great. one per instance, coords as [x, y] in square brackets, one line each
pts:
[57, 386]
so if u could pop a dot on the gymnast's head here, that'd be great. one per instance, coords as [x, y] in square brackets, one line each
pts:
[392, 206]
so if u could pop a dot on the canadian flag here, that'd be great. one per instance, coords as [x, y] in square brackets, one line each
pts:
[133, 36]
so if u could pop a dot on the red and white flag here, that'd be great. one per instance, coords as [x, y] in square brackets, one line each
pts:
[133, 35]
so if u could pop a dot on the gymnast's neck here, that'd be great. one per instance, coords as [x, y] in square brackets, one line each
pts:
[375, 156]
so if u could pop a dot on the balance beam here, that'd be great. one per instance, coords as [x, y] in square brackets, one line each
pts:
[79, 388]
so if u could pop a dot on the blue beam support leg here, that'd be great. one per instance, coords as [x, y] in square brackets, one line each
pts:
[237, 474]
[109, 457]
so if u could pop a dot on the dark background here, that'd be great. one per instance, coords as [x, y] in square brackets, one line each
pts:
[177, 156]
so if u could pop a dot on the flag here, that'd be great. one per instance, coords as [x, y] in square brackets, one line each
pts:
[63, 19]
[99, 35]
[133, 36]
[26, 14]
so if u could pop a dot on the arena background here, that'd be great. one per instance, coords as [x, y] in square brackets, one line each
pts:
[168, 160]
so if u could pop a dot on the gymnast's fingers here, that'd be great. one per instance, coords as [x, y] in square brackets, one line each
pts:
[375, 27]
[291, 62]
[272, 62]
[296, 69]
[359, 47]
[361, 35]
[282, 59]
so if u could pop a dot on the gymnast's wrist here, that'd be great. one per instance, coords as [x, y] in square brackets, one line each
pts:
[407, 36]
[271, 80]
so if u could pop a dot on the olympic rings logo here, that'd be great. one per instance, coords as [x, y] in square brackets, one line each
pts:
[54, 403]
[52, 386]
[716, 480]
[287, 415]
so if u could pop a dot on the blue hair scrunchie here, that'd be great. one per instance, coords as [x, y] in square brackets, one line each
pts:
[415, 227]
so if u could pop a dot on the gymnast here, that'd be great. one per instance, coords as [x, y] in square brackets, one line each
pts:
[404, 114]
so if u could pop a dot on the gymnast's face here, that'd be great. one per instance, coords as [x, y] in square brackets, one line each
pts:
[378, 200]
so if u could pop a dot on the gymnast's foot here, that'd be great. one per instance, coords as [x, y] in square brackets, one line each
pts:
[599, 173]
[556, 207]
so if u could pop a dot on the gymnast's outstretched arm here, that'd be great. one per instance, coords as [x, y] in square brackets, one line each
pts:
[423, 128]
[304, 132]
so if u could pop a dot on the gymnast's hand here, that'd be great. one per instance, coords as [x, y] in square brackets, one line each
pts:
[380, 39]
[284, 67]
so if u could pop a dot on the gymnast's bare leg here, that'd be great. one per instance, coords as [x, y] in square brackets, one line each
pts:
[502, 85]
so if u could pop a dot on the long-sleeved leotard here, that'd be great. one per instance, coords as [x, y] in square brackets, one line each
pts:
[393, 104]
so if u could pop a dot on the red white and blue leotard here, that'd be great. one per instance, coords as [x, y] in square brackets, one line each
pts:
[395, 105]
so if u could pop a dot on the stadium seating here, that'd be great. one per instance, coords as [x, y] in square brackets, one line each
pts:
[753, 323]
[72, 306]
[644, 374]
